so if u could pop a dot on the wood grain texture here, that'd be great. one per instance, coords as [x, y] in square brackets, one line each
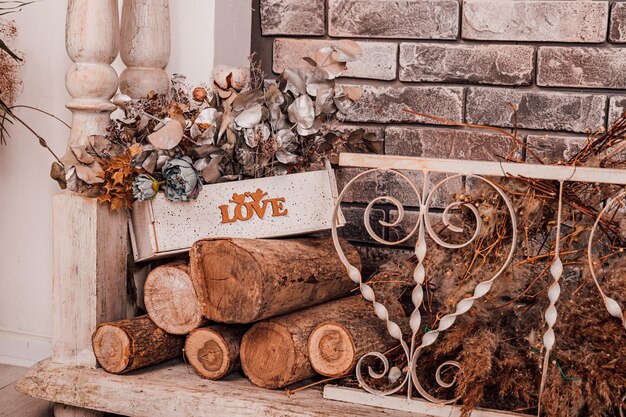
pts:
[145, 47]
[246, 280]
[213, 351]
[131, 344]
[171, 300]
[170, 390]
[274, 353]
[90, 246]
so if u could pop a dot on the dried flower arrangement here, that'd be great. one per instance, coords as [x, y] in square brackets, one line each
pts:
[242, 126]
[498, 343]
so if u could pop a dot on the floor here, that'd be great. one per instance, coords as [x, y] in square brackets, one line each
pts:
[14, 404]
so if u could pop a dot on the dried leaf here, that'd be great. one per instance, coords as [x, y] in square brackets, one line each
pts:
[211, 173]
[168, 137]
[91, 174]
[250, 117]
[81, 154]
[57, 173]
[302, 112]
[296, 80]
[354, 93]
[348, 51]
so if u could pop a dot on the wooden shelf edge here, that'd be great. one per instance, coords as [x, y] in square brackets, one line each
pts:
[396, 402]
[171, 390]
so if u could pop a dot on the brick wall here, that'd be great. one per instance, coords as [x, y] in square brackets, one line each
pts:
[561, 63]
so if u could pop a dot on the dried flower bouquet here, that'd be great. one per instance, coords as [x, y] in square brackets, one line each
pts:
[241, 126]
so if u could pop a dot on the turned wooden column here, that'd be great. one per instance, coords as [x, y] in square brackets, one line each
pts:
[145, 47]
[92, 43]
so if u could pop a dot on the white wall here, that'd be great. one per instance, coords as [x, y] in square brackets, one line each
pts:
[25, 186]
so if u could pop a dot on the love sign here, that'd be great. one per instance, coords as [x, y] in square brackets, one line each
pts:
[259, 208]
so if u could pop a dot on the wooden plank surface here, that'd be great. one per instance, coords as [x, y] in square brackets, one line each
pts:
[90, 247]
[171, 390]
[14, 404]
[396, 402]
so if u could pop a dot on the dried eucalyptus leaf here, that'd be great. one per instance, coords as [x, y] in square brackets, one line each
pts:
[99, 144]
[248, 99]
[317, 125]
[82, 155]
[348, 51]
[211, 173]
[57, 173]
[168, 137]
[302, 112]
[91, 174]
[309, 61]
[325, 59]
[202, 163]
[149, 164]
[354, 93]
[202, 151]
[286, 157]
[206, 117]
[296, 80]
[250, 117]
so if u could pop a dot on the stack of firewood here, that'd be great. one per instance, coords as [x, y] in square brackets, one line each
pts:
[280, 310]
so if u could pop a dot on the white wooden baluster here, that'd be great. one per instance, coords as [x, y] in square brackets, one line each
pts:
[145, 47]
[89, 241]
[92, 42]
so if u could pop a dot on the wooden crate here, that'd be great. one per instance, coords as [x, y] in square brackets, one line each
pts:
[256, 208]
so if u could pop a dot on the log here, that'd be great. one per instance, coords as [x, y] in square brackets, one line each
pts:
[213, 351]
[247, 280]
[274, 353]
[126, 345]
[171, 300]
[336, 346]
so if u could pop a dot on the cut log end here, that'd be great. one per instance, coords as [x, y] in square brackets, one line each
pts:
[331, 350]
[112, 348]
[171, 300]
[213, 352]
[268, 355]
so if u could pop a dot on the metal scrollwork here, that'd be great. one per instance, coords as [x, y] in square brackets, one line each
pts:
[611, 304]
[422, 226]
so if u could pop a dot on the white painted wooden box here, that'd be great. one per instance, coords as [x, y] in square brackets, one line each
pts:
[259, 208]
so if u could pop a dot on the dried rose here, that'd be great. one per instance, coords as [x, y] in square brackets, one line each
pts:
[182, 181]
[145, 187]
[199, 94]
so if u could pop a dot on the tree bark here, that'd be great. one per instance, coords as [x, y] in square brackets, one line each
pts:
[213, 351]
[247, 280]
[126, 345]
[171, 300]
[274, 353]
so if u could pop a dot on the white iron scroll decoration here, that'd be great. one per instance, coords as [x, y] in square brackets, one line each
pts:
[423, 227]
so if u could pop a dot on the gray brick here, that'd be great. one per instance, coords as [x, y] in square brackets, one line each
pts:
[448, 143]
[481, 64]
[553, 149]
[581, 67]
[617, 107]
[379, 60]
[535, 21]
[536, 110]
[386, 104]
[292, 17]
[617, 29]
[415, 19]
[379, 184]
[355, 230]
